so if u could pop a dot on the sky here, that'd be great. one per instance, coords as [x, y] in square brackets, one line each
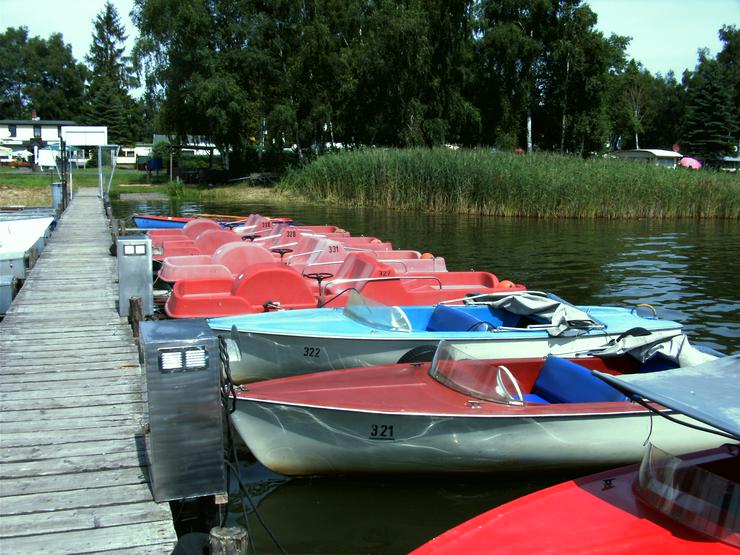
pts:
[666, 34]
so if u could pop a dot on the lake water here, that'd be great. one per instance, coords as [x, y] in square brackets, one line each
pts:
[687, 270]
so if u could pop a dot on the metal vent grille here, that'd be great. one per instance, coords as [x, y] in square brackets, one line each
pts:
[183, 360]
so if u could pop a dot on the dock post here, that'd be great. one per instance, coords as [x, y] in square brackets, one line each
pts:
[135, 313]
[228, 541]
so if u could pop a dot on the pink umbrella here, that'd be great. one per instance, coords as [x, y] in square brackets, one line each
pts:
[688, 162]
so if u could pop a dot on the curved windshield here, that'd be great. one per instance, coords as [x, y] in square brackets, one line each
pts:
[690, 493]
[454, 367]
[374, 314]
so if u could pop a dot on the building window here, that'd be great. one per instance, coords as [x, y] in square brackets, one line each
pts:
[37, 131]
[12, 130]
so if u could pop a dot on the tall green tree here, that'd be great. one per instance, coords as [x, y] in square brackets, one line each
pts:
[664, 128]
[112, 76]
[729, 60]
[575, 79]
[710, 126]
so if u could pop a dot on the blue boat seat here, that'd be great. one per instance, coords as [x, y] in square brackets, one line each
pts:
[532, 398]
[450, 318]
[563, 381]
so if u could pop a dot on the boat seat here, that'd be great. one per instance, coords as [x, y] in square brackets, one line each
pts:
[563, 381]
[450, 318]
[532, 398]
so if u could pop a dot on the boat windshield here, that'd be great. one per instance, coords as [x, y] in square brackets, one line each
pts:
[376, 315]
[691, 494]
[454, 367]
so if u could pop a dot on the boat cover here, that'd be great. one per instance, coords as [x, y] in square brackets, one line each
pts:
[560, 317]
[708, 392]
[18, 236]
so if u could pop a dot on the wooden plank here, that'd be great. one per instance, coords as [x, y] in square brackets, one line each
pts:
[67, 424]
[75, 481]
[64, 343]
[61, 369]
[97, 539]
[57, 437]
[80, 449]
[50, 364]
[99, 333]
[72, 392]
[83, 519]
[130, 372]
[69, 353]
[68, 465]
[59, 500]
[77, 412]
[63, 403]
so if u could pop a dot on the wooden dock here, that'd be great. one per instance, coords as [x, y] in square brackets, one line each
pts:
[73, 471]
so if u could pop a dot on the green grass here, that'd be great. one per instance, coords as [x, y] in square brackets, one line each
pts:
[485, 182]
[124, 180]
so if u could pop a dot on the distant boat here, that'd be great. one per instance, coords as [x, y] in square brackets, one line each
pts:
[457, 414]
[668, 504]
[159, 222]
[147, 221]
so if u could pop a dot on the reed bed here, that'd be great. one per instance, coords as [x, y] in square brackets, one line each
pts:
[542, 185]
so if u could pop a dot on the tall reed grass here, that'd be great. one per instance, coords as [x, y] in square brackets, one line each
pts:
[542, 185]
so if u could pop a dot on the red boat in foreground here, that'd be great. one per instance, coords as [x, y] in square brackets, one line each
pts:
[667, 504]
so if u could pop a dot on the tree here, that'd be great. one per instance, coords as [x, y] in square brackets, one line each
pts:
[664, 129]
[709, 124]
[729, 60]
[13, 72]
[39, 74]
[112, 76]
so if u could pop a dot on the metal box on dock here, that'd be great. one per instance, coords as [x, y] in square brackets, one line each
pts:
[183, 378]
[134, 254]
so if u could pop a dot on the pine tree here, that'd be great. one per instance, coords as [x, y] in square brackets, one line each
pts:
[109, 102]
[709, 125]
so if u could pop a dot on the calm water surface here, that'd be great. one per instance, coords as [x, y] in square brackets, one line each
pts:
[687, 270]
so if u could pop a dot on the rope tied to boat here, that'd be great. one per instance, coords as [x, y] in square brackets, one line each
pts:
[228, 390]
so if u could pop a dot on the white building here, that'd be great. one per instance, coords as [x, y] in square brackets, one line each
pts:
[655, 156]
[21, 132]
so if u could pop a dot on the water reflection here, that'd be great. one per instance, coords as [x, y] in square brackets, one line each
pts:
[382, 515]
[686, 269]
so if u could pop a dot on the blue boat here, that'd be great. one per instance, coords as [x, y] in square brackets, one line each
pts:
[524, 324]
[143, 221]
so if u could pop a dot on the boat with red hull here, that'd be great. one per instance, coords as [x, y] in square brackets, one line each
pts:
[459, 414]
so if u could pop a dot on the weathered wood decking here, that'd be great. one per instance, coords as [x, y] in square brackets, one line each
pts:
[73, 476]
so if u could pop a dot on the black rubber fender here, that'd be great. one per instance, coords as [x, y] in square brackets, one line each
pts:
[422, 353]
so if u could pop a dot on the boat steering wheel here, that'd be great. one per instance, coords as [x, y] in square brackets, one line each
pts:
[501, 372]
[319, 276]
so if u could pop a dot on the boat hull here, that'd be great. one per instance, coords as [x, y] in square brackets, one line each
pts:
[301, 439]
[160, 222]
[258, 356]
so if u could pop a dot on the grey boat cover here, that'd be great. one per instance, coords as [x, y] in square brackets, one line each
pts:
[708, 392]
[561, 318]
[672, 345]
